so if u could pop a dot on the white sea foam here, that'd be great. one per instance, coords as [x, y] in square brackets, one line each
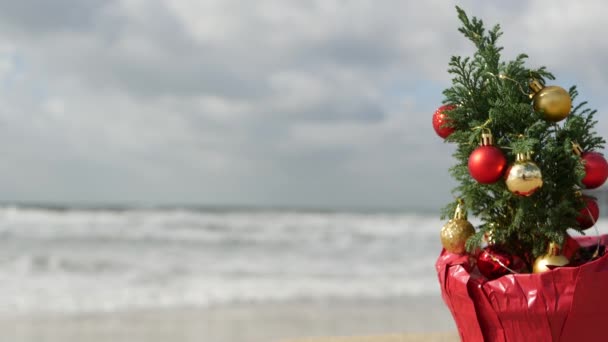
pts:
[100, 260]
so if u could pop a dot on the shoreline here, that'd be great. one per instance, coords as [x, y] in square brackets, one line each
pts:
[287, 321]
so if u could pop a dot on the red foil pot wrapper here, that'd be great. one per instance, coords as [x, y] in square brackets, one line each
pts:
[565, 304]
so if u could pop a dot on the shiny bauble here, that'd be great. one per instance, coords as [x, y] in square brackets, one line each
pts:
[488, 236]
[455, 234]
[441, 122]
[553, 258]
[492, 262]
[553, 102]
[596, 169]
[487, 164]
[588, 215]
[524, 177]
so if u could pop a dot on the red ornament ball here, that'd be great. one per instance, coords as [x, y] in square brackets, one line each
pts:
[441, 122]
[487, 164]
[489, 262]
[590, 214]
[596, 169]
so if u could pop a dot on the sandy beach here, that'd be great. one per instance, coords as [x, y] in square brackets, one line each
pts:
[413, 337]
[407, 319]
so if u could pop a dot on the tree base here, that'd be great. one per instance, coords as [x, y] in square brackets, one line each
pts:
[566, 304]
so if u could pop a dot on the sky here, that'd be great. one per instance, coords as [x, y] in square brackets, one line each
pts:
[267, 103]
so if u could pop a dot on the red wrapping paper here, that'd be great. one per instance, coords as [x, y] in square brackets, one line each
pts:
[565, 304]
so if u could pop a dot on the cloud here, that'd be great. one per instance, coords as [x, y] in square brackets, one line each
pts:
[267, 102]
[46, 17]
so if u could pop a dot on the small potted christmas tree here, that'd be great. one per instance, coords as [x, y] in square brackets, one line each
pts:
[526, 158]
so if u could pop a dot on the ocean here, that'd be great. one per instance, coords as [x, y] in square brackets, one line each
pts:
[217, 274]
[79, 261]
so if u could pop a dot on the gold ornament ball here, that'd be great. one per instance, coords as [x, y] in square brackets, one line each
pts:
[553, 102]
[455, 234]
[524, 177]
[552, 258]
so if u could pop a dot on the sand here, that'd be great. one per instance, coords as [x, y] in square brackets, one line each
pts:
[429, 337]
[408, 319]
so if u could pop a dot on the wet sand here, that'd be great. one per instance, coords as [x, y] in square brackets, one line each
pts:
[405, 319]
[429, 337]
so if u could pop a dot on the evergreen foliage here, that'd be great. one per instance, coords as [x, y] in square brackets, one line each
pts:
[493, 94]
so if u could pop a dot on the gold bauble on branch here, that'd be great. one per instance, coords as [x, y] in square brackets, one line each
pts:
[553, 258]
[524, 177]
[488, 237]
[457, 231]
[552, 101]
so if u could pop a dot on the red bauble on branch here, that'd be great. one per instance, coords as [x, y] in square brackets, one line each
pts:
[596, 169]
[590, 214]
[487, 163]
[493, 262]
[441, 122]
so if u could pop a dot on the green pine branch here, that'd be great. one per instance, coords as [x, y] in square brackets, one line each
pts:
[490, 93]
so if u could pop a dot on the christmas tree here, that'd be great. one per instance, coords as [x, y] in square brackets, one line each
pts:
[524, 155]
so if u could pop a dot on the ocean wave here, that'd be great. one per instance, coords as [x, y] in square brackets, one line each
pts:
[101, 260]
[82, 296]
[193, 225]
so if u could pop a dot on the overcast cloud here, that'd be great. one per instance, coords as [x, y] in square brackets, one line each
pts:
[266, 102]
